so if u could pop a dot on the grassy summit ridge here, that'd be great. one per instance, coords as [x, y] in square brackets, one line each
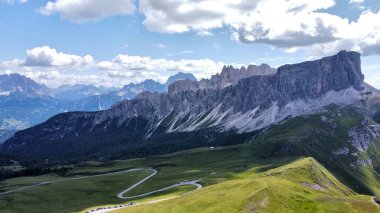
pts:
[300, 186]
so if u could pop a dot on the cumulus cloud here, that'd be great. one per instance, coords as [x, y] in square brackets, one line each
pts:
[362, 35]
[79, 11]
[50, 57]
[294, 22]
[53, 68]
[173, 16]
[292, 25]
[48, 66]
[55, 78]
[125, 66]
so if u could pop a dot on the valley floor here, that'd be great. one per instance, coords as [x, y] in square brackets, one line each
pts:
[239, 183]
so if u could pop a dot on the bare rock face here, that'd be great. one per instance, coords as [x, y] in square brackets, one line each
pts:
[228, 77]
[362, 137]
[231, 76]
[342, 151]
[244, 100]
[183, 85]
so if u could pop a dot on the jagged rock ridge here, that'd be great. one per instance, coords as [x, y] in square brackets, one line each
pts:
[250, 104]
[228, 77]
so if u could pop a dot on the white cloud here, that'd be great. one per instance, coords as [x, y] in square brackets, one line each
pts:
[125, 66]
[48, 66]
[79, 11]
[49, 57]
[356, 1]
[373, 79]
[372, 73]
[173, 16]
[292, 25]
[15, 1]
[184, 52]
[55, 78]
[294, 22]
[119, 71]
[362, 35]
[161, 46]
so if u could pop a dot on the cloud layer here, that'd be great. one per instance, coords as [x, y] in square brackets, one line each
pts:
[54, 68]
[79, 11]
[14, 1]
[51, 67]
[287, 24]
[49, 57]
[126, 66]
[291, 25]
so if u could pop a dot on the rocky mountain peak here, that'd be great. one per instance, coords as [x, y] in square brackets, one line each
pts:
[180, 76]
[229, 76]
[16, 84]
[220, 104]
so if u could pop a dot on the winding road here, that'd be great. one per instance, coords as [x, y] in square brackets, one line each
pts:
[70, 179]
[121, 194]
[183, 183]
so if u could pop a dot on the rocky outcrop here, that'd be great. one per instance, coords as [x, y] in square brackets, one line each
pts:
[220, 103]
[5, 134]
[228, 77]
[363, 137]
[342, 151]
[183, 85]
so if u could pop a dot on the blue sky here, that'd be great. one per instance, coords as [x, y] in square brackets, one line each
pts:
[122, 41]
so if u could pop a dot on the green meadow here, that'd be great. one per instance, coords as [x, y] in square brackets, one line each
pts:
[252, 177]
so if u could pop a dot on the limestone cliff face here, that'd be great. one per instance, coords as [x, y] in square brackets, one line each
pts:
[226, 101]
[318, 77]
[308, 80]
[228, 77]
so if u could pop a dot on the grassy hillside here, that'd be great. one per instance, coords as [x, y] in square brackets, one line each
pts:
[300, 186]
[326, 137]
[241, 183]
[292, 167]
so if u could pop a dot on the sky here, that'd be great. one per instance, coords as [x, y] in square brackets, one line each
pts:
[115, 42]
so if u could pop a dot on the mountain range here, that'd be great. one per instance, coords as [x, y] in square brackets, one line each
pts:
[24, 103]
[223, 107]
[68, 92]
[309, 130]
[107, 99]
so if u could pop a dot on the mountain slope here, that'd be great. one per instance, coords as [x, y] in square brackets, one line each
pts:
[77, 91]
[300, 186]
[342, 138]
[5, 135]
[20, 86]
[252, 104]
[229, 76]
[234, 180]
[106, 100]
[24, 102]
